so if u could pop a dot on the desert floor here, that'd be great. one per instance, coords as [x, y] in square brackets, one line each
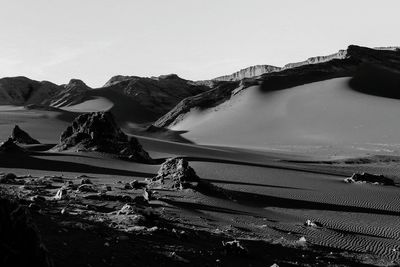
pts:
[264, 198]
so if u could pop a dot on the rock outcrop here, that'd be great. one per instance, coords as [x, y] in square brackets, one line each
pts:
[20, 136]
[221, 92]
[98, 131]
[249, 72]
[315, 60]
[175, 173]
[369, 178]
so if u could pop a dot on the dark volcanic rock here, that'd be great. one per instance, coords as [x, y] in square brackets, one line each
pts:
[176, 173]
[369, 178]
[98, 132]
[20, 242]
[10, 147]
[20, 136]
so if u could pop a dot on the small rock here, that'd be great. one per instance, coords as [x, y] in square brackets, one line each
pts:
[126, 210]
[311, 223]
[128, 186]
[61, 194]
[86, 188]
[147, 194]
[86, 181]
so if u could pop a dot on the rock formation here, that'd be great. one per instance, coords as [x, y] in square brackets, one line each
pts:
[10, 147]
[249, 72]
[20, 136]
[369, 178]
[99, 132]
[175, 173]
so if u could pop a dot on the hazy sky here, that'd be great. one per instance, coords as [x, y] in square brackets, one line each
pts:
[198, 39]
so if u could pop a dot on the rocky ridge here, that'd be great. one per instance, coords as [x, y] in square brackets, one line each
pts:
[346, 63]
[249, 72]
[20, 136]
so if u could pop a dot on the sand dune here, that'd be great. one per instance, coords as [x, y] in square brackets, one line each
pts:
[321, 114]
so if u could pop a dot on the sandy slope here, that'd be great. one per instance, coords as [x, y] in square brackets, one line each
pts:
[306, 117]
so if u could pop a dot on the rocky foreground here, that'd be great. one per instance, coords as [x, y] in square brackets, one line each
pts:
[75, 221]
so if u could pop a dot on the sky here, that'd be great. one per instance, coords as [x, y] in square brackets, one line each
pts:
[94, 40]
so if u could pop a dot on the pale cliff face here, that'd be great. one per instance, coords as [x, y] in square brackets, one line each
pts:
[315, 60]
[249, 72]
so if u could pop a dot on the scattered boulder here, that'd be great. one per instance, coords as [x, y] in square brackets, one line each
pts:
[10, 147]
[135, 184]
[311, 223]
[20, 242]
[147, 194]
[126, 210]
[20, 136]
[175, 173]
[61, 194]
[86, 188]
[369, 178]
[98, 131]
[128, 186]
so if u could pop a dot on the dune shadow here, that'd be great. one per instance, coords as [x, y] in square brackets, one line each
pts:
[262, 201]
[28, 162]
[265, 165]
[250, 184]
[199, 206]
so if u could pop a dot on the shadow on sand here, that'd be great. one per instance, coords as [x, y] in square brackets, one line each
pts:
[263, 201]
[27, 162]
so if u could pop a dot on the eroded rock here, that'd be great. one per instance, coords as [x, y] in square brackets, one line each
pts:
[98, 131]
[369, 178]
[20, 136]
[175, 173]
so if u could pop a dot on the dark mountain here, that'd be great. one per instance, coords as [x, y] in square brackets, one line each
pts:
[367, 67]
